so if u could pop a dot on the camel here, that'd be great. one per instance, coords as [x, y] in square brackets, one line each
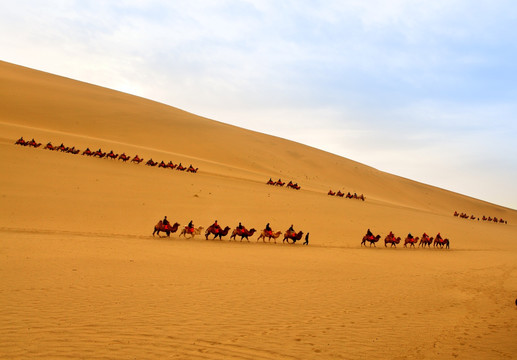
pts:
[411, 241]
[340, 194]
[279, 183]
[171, 165]
[441, 242]
[391, 240]
[269, 234]
[137, 160]
[270, 182]
[331, 193]
[216, 232]
[243, 233]
[293, 236]
[425, 241]
[191, 169]
[21, 142]
[191, 231]
[50, 147]
[99, 153]
[33, 143]
[150, 162]
[124, 157]
[370, 239]
[168, 229]
[61, 148]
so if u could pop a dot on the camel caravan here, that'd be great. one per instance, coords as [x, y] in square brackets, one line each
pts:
[339, 193]
[189, 231]
[107, 155]
[484, 218]
[279, 182]
[410, 240]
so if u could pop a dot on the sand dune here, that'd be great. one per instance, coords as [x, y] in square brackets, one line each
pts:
[82, 277]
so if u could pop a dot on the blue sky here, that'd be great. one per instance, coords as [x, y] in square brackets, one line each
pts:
[422, 89]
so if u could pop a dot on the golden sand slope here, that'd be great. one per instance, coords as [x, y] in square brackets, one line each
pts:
[82, 277]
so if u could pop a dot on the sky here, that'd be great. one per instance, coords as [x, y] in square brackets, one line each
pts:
[426, 90]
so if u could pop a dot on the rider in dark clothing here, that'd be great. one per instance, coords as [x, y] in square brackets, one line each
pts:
[369, 233]
[190, 224]
[268, 228]
[165, 221]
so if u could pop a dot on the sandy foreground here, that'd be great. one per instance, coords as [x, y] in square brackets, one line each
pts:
[81, 275]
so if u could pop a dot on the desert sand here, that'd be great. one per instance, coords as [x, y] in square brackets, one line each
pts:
[81, 275]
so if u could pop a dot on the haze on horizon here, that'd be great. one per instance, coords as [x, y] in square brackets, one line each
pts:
[424, 90]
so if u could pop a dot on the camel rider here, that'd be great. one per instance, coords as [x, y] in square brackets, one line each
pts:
[291, 230]
[166, 222]
[268, 229]
[216, 227]
[190, 227]
[410, 236]
[439, 237]
[369, 233]
[425, 236]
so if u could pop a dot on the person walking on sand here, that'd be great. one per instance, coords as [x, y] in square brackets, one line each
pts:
[306, 239]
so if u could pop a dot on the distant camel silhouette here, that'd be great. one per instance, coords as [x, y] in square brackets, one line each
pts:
[137, 160]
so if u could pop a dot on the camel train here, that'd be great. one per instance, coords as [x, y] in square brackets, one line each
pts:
[290, 236]
[484, 218]
[339, 193]
[279, 182]
[410, 240]
[107, 155]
